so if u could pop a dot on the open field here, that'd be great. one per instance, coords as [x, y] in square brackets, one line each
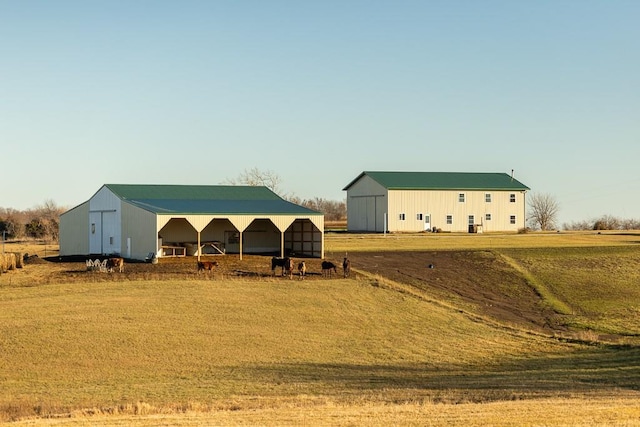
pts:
[516, 333]
[344, 242]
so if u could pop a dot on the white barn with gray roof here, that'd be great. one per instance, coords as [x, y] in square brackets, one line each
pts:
[136, 221]
[444, 201]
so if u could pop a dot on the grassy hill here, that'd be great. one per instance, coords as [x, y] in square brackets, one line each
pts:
[363, 350]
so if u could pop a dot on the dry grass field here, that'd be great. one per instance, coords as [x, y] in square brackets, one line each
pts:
[509, 330]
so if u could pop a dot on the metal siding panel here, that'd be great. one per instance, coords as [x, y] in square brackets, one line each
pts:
[104, 200]
[366, 205]
[199, 222]
[241, 222]
[140, 227]
[439, 204]
[282, 222]
[366, 186]
[74, 231]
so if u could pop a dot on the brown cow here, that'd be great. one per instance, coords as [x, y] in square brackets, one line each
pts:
[289, 266]
[302, 269]
[113, 263]
[206, 265]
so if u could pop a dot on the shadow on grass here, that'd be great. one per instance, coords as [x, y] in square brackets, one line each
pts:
[593, 371]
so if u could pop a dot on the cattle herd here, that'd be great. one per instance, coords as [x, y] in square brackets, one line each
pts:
[286, 265]
[328, 268]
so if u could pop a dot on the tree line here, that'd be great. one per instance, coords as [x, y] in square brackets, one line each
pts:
[543, 213]
[41, 222]
[332, 210]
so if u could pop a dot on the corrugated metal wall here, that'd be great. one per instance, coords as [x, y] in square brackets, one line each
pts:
[139, 235]
[74, 231]
[407, 210]
[366, 206]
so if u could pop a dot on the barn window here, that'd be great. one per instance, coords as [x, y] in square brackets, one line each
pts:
[419, 217]
[487, 197]
[401, 217]
[471, 219]
[449, 219]
[512, 197]
[487, 217]
[512, 219]
[461, 197]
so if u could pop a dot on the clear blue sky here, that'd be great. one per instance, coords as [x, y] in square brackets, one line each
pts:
[196, 92]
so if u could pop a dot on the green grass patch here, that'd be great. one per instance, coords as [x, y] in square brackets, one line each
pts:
[598, 286]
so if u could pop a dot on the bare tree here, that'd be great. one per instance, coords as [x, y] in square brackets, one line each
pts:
[256, 177]
[543, 211]
[333, 210]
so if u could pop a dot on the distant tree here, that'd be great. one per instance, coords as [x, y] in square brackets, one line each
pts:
[49, 215]
[12, 222]
[256, 177]
[333, 210]
[607, 222]
[35, 229]
[543, 211]
[630, 224]
[578, 225]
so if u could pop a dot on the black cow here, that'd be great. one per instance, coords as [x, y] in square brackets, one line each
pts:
[285, 263]
[346, 267]
[327, 266]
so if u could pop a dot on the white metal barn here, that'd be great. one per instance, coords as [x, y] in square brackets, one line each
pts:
[137, 221]
[446, 201]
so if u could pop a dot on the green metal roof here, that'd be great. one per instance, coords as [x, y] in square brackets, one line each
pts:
[207, 199]
[442, 181]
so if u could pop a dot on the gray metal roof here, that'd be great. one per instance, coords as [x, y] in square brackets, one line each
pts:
[207, 200]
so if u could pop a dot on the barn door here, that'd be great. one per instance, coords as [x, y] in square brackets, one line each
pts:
[103, 233]
[110, 238]
[427, 222]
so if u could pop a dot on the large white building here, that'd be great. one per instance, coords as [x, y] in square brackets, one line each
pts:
[447, 201]
[137, 221]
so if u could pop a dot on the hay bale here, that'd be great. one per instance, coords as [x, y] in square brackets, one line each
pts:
[19, 259]
[11, 260]
[7, 262]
